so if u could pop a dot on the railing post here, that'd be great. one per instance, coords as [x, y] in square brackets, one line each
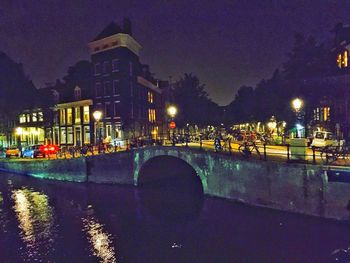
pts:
[229, 147]
[313, 155]
[288, 155]
[265, 152]
[200, 143]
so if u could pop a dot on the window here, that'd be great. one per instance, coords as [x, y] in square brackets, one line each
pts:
[69, 116]
[22, 118]
[70, 135]
[130, 68]
[77, 115]
[326, 114]
[342, 59]
[28, 117]
[107, 89]
[97, 69]
[105, 67]
[108, 130]
[117, 109]
[150, 97]
[63, 135]
[40, 116]
[77, 93]
[115, 65]
[116, 90]
[98, 90]
[87, 134]
[34, 117]
[108, 110]
[151, 115]
[86, 114]
[63, 116]
[345, 59]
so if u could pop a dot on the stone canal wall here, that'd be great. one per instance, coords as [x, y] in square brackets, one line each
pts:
[73, 170]
[301, 188]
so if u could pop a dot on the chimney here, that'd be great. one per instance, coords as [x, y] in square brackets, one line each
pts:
[127, 26]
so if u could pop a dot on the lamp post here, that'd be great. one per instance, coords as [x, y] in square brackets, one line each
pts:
[172, 111]
[19, 132]
[297, 105]
[97, 116]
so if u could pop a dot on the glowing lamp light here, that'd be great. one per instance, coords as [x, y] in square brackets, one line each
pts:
[97, 115]
[19, 130]
[172, 111]
[297, 104]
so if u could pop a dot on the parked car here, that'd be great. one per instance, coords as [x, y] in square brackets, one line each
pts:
[32, 152]
[323, 139]
[12, 151]
[35, 151]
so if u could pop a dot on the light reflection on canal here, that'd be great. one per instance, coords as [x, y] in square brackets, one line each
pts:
[46, 221]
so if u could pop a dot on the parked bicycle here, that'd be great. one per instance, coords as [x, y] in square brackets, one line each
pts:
[330, 154]
[247, 148]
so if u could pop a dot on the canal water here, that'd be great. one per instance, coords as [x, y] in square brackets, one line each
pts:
[47, 221]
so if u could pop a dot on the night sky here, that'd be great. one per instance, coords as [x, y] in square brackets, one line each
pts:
[225, 43]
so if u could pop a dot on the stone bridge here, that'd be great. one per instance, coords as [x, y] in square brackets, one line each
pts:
[300, 188]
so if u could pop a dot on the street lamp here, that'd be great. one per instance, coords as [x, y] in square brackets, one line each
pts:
[97, 116]
[19, 132]
[297, 104]
[172, 111]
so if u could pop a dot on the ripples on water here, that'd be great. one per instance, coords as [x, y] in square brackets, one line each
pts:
[43, 221]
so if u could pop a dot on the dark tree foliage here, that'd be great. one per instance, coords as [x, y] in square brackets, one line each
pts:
[194, 104]
[17, 91]
[306, 64]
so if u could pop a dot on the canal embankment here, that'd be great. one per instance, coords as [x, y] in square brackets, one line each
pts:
[294, 187]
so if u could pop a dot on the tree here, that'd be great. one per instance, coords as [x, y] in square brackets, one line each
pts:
[194, 104]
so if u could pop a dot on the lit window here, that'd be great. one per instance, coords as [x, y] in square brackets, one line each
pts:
[69, 116]
[115, 65]
[40, 116]
[77, 115]
[86, 112]
[86, 134]
[28, 117]
[339, 61]
[345, 58]
[34, 117]
[150, 97]
[77, 93]
[151, 115]
[108, 130]
[326, 113]
[63, 135]
[70, 135]
[63, 116]
[22, 118]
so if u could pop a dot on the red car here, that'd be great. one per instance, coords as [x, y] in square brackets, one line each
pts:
[47, 149]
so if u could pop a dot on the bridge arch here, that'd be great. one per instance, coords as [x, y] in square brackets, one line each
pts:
[148, 158]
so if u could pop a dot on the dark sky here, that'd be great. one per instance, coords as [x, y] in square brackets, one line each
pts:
[225, 43]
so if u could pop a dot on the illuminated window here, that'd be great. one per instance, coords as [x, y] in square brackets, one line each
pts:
[28, 117]
[339, 61]
[77, 115]
[63, 135]
[69, 116]
[150, 97]
[70, 135]
[151, 115]
[345, 58]
[86, 114]
[40, 116]
[108, 130]
[326, 114]
[86, 134]
[22, 118]
[63, 116]
[34, 117]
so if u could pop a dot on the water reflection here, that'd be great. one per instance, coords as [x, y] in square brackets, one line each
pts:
[35, 218]
[99, 239]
